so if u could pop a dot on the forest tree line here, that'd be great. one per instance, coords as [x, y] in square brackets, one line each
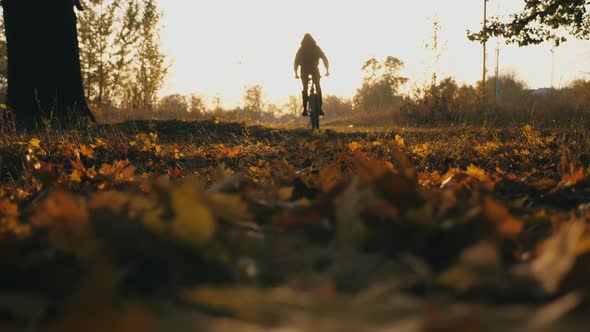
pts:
[123, 69]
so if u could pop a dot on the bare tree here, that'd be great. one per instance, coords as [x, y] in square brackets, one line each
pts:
[253, 98]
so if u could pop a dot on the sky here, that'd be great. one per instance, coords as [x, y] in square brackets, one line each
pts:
[217, 48]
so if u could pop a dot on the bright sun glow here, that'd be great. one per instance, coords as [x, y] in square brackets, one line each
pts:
[219, 47]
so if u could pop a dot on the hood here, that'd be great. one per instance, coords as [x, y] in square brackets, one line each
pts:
[308, 40]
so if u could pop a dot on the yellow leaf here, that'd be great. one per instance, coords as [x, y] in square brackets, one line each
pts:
[100, 142]
[228, 207]
[35, 143]
[399, 141]
[75, 176]
[193, 223]
[354, 146]
[239, 301]
[87, 151]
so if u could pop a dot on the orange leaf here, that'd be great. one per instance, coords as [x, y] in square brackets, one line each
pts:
[231, 152]
[78, 165]
[66, 220]
[35, 143]
[477, 173]
[87, 151]
[354, 146]
[8, 209]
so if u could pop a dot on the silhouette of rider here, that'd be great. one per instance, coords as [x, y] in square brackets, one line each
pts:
[308, 58]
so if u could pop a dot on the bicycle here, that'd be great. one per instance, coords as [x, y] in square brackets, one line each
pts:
[314, 105]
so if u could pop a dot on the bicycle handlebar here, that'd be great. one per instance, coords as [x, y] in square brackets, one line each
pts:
[297, 76]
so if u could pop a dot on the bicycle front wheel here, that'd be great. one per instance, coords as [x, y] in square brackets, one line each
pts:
[314, 112]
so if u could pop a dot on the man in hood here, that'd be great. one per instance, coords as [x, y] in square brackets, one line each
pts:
[308, 58]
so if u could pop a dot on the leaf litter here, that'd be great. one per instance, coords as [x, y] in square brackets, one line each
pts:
[216, 226]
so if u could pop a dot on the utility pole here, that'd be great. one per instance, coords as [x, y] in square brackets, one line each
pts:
[217, 101]
[497, 100]
[484, 42]
[552, 67]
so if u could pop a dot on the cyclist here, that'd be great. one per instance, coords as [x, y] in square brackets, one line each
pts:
[308, 58]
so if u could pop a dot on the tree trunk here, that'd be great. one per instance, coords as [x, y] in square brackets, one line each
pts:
[44, 76]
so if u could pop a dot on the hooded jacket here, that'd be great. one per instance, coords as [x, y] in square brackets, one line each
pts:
[309, 55]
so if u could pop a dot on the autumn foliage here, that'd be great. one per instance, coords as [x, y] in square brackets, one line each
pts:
[143, 223]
